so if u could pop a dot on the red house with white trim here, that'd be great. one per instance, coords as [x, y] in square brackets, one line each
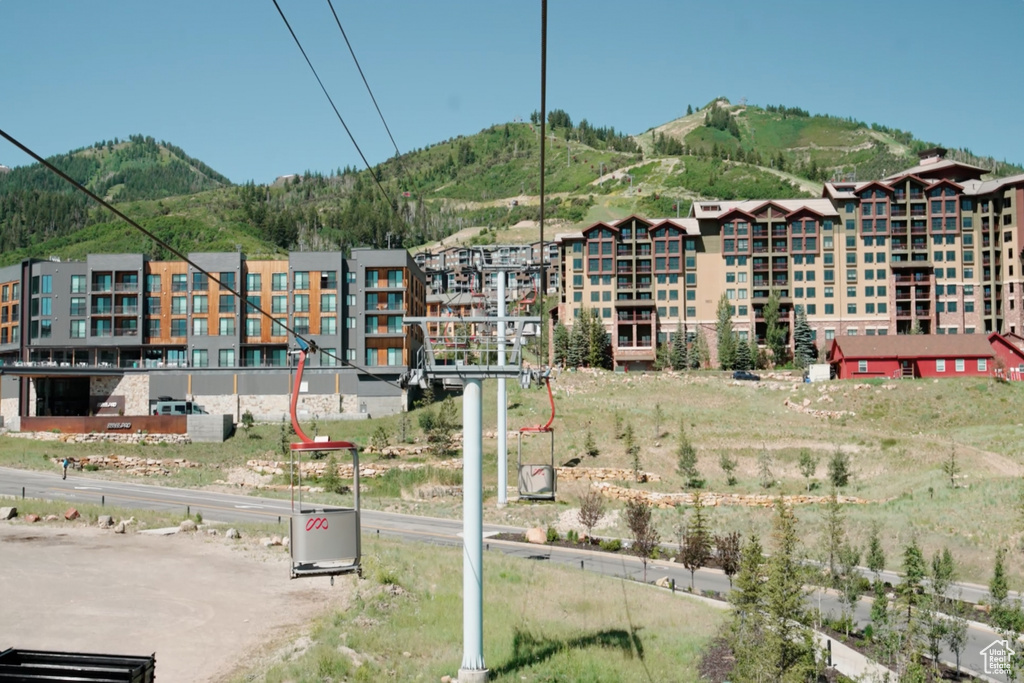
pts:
[922, 355]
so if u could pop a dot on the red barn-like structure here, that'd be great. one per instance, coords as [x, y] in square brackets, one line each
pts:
[922, 355]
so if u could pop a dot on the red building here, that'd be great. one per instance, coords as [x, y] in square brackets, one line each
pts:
[924, 355]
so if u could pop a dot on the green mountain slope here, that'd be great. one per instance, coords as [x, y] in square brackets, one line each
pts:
[478, 186]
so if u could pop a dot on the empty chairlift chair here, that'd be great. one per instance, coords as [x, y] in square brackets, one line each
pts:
[325, 541]
[537, 481]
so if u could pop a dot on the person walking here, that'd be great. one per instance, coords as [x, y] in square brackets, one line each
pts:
[67, 461]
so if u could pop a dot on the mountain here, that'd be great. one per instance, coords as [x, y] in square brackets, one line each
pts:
[485, 185]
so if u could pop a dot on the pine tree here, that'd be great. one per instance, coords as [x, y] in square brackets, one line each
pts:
[914, 573]
[742, 359]
[695, 550]
[803, 340]
[632, 450]
[596, 341]
[835, 532]
[723, 330]
[689, 109]
[561, 344]
[875, 557]
[775, 332]
[686, 458]
[700, 354]
[577, 353]
[677, 353]
[788, 643]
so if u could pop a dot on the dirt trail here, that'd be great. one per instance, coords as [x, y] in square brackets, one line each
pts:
[202, 604]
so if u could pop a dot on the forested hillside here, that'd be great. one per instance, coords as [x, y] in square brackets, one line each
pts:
[488, 180]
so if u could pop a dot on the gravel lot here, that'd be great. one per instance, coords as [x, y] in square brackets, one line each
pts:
[202, 603]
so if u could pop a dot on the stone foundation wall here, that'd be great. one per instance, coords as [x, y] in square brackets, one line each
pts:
[134, 387]
[9, 411]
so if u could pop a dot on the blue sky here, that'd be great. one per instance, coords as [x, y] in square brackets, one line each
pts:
[224, 80]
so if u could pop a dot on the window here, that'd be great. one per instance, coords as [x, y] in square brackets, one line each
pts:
[179, 282]
[328, 303]
[862, 366]
[371, 357]
[830, 309]
[226, 327]
[279, 304]
[329, 357]
[200, 358]
[200, 304]
[940, 365]
[851, 309]
[253, 281]
[200, 283]
[152, 327]
[78, 329]
[371, 278]
[226, 358]
[982, 365]
[394, 278]
[829, 292]
[302, 303]
[179, 305]
[253, 327]
[279, 282]
[227, 280]
[301, 325]
[179, 327]
[959, 364]
[302, 279]
[350, 323]
[278, 328]
[252, 303]
[200, 327]
[328, 325]
[226, 303]
[78, 284]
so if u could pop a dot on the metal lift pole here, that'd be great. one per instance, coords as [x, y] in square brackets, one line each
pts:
[472, 669]
[502, 400]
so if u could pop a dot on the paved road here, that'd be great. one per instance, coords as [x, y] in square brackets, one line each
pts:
[226, 507]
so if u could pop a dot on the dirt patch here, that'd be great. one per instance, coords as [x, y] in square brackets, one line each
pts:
[203, 604]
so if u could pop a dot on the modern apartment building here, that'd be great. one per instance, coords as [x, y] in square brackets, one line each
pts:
[64, 325]
[933, 248]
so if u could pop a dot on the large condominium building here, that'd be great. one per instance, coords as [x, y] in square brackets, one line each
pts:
[932, 248]
[71, 331]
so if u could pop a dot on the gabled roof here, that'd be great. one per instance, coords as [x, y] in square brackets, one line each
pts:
[978, 187]
[688, 226]
[632, 217]
[943, 166]
[873, 183]
[600, 224]
[914, 346]
[716, 209]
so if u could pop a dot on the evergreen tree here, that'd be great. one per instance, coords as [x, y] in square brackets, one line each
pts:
[677, 354]
[943, 573]
[914, 573]
[788, 642]
[875, 556]
[598, 345]
[839, 468]
[835, 532]
[632, 450]
[700, 353]
[561, 344]
[775, 332]
[686, 458]
[742, 359]
[723, 330]
[755, 353]
[689, 109]
[577, 353]
[803, 340]
[997, 587]
[695, 550]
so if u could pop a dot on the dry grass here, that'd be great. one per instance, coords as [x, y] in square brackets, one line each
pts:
[541, 624]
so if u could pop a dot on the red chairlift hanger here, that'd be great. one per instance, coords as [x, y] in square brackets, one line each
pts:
[538, 482]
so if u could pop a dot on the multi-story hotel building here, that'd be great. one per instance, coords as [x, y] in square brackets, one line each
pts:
[71, 330]
[933, 247]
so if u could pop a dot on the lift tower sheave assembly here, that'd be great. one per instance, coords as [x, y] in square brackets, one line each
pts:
[324, 541]
[473, 355]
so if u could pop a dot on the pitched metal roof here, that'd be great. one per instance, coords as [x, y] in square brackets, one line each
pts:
[716, 208]
[915, 346]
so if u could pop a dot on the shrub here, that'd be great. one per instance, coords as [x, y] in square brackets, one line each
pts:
[612, 545]
[552, 534]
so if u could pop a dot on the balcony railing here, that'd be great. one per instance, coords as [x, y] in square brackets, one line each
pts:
[126, 310]
[179, 286]
[643, 269]
[919, 194]
[899, 212]
[126, 287]
[643, 285]
[103, 311]
[899, 247]
[126, 332]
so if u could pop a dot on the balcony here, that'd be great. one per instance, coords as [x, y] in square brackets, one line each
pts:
[922, 292]
[780, 282]
[126, 310]
[899, 247]
[101, 287]
[918, 213]
[902, 311]
[779, 248]
[917, 194]
[779, 232]
[623, 251]
[634, 316]
[177, 287]
[624, 269]
[898, 211]
[759, 233]
[102, 311]
[126, 287]
[903, 293]
[643, 285]
[643, 269]
[126, 332]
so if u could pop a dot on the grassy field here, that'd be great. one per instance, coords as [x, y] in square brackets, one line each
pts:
[897, 439]
[540, 624]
